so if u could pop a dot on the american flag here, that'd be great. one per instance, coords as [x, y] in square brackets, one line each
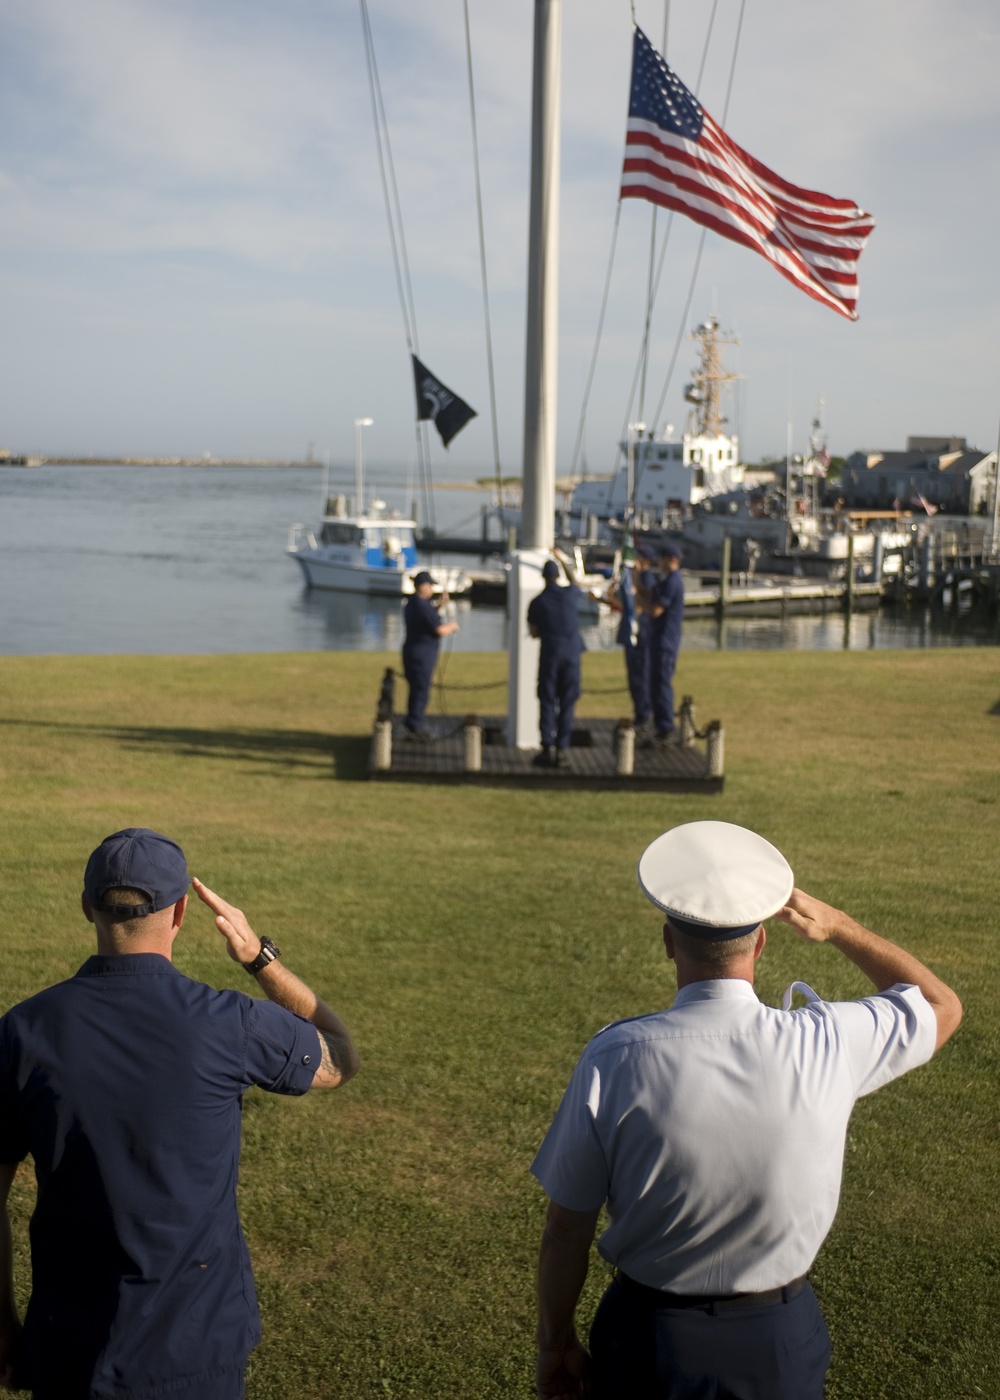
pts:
[678, 157]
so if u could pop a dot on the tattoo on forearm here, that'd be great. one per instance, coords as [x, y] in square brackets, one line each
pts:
[331, 1055]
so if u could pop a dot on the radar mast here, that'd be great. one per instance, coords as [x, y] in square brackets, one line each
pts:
[704, 393]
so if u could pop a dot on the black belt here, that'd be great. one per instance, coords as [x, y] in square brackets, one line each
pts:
[657, 1298]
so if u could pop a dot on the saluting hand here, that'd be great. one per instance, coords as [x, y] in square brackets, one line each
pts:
[810, 918]
[241, 941]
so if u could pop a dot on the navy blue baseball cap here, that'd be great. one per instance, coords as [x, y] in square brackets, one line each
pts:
[669, 550]
[550, 570]
[423, 577]
[140, 859]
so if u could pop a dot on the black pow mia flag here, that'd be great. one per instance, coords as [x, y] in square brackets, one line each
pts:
[439, 405]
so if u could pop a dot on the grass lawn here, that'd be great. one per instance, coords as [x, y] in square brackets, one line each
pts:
[475, 939]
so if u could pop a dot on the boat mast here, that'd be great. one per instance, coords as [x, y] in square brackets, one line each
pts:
[704, 393]
[541, 364]
[359, 464]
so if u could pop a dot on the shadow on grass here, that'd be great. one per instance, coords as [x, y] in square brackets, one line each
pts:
[302, 753]
[994, 709]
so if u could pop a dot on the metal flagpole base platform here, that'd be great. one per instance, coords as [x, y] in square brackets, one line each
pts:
[603, 756]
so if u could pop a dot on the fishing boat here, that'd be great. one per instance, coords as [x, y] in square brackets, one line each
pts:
[364, 550]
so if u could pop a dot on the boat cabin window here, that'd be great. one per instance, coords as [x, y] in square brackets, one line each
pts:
[339, 534]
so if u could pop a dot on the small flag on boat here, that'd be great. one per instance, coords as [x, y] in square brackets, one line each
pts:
[439, 405]
[678, 157]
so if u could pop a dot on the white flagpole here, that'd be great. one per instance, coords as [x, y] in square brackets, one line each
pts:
[541, 365]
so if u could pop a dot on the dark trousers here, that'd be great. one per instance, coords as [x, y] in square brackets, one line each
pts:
[645, 1352]
[637, 667]
[418, 667]
[558, 692]
[228, 1383]
[662, 660]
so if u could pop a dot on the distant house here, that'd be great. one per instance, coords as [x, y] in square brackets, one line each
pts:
[943, 472]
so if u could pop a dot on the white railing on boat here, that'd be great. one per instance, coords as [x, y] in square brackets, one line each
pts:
[299, 537]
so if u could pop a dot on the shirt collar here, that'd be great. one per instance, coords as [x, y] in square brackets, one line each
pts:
[718, 989]
[125, 964]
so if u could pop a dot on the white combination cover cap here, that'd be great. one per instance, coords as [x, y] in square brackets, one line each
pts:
[715, 875]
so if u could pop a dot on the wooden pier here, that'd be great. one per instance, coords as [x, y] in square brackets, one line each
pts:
[760, 598]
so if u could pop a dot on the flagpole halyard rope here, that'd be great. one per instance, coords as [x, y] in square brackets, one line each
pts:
[482, 263]
[701, 240]
[370, 63]
[391, 167]
[643, 348]
[597, 342]
[653, 281]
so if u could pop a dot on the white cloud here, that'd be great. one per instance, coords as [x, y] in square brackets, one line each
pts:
[230, 141]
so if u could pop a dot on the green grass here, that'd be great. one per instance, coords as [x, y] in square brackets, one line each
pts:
[474, 939]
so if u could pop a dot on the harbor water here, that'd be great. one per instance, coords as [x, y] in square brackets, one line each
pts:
[184, 560]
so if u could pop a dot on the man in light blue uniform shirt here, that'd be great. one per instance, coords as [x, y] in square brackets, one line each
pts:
[713, 1133]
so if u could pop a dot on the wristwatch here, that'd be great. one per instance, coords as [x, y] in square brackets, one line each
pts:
[268, 952]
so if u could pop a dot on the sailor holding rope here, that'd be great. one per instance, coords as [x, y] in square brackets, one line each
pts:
[424, 630]
[662, 600]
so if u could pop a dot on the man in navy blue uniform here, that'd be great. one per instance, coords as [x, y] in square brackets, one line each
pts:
[553, 617]
[662, 600]
[424, 630]
[634, 637]
[124, 1083]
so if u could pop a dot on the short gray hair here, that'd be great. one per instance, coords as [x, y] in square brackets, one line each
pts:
[713, 953]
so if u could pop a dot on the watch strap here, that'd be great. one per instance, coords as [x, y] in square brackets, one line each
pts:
[269, 951]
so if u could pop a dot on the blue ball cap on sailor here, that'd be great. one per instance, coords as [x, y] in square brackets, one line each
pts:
[136, 858]
[715, 880]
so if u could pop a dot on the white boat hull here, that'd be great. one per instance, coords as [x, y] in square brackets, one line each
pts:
[339, 576]
[348, 578]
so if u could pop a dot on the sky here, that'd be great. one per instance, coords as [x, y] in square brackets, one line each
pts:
[194, 254]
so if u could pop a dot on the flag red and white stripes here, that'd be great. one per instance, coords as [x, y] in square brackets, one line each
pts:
[676, 156]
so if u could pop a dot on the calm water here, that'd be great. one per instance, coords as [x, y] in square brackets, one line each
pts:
[192, 559]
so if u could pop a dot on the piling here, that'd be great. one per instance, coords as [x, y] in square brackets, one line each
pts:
[472, 737]
[687, 728]
[925, 566]
[715, 758]
[849, 589]
[724, 572]
[625, 748]
[382, 747]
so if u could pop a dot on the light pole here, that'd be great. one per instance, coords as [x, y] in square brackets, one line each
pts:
[359, 464]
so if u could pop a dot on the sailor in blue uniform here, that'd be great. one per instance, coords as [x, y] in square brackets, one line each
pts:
[663, 603]
[424, 630]
[553, 617]
[634, 638]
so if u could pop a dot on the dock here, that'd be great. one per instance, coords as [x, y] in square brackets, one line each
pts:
[769, 596]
